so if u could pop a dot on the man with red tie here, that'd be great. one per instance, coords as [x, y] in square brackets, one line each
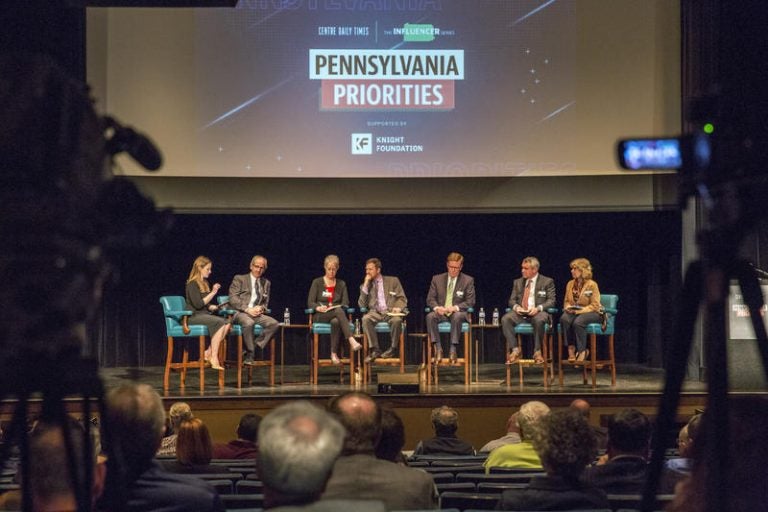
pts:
[531, 295]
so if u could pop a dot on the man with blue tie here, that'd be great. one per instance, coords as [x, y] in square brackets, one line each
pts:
[249, 296]
[532, 294]
[386, 302]
[450, 295]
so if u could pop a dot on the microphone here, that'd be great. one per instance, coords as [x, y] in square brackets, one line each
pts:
[121, 138]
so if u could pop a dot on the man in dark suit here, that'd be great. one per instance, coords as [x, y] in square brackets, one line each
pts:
[358, 474]
[531, 295]
[249, 295]
[450, 295]
[386, 301]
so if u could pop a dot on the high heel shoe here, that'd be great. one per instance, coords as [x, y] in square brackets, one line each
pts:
[215, 365]
[335, 359]
[571, 354]
[354, 344]
[581, 356]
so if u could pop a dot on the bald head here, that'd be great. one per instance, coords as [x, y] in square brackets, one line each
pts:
[361, 417]
[581, 406]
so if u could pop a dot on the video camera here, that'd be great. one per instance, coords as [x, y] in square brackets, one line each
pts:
[726, 147]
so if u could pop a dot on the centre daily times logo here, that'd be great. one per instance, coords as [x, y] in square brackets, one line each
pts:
[362, 144]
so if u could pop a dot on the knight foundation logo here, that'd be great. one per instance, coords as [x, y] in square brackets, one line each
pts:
[362, 144]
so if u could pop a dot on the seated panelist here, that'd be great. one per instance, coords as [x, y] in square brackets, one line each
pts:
[249, 296]
[329, 298]
[580, 308]
[386, 302]
[532, 294]
[199, 295]
[450, 295]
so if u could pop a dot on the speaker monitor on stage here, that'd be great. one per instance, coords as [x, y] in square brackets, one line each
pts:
[396, 383]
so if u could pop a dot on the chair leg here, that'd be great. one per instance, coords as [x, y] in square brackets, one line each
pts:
[315, 355]
[560, 357]
[168, 361]
[184, 363]
[402, 352]
[467, 358]
[239, 362]
[545, 355]
[428, 360]
[612, 356]
[201, 362]
[593, 358]
[272, 362]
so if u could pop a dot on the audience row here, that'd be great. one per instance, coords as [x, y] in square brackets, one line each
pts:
[349, 457]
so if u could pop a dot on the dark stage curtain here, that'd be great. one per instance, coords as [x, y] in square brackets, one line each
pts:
[635, 255]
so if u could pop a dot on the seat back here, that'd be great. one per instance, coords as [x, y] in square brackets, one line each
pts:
[610, 304]
[170, 304]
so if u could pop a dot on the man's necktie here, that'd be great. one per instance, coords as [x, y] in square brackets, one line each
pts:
[449, 295]
[526, 294]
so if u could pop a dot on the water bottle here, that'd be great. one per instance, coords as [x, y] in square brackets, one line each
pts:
[481, 317]
[357, 327]
[496, 317]
[286, 317]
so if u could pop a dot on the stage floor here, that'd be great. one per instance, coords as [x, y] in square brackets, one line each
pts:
[489, 379]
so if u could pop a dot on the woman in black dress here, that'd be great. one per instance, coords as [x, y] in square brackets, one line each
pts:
[199, 295]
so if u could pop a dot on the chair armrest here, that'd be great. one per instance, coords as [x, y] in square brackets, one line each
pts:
[363, 310]
[611, 311]
[180, 316]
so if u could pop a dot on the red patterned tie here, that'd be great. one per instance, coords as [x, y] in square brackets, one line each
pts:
[526, 294]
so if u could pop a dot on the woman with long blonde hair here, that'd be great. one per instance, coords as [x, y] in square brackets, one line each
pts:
[581, 306]
[199, 295]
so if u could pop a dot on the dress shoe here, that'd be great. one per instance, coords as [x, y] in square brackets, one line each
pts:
[248, 360]
[513, 356]
[372, 356]
[452, 356]
[438, 355]
[390, 352]
[354, 344]
[335, 359]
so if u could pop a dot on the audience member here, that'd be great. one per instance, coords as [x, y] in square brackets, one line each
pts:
[445, 422]
[601, 433]
[136, 420]
[683, 464]
[629, 437]
[50, 482]
[745, 484]
[390, 445]
[298, 446]
[193, 449]
[566, 444]
[511, 437]
[245, 446]
[179, 411]
[522, 454]
[358, 474]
